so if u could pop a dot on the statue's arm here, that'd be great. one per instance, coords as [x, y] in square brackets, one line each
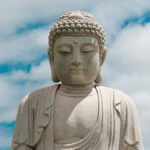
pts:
[21, 135]
[131, 139]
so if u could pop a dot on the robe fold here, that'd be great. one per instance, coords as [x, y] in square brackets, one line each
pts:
[117, 127]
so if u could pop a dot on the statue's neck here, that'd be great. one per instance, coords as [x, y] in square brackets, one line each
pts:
[85, 89]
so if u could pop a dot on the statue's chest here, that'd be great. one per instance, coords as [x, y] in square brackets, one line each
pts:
[75, 118]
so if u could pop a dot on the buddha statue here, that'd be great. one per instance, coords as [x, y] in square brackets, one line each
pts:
[77, 113]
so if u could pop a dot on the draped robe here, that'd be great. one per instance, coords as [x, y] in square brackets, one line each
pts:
[116, 129]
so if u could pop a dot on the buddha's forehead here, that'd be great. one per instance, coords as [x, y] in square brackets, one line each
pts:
[76, 40]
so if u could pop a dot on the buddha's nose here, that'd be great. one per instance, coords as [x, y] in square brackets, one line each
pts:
[76, 60]
[76, 63]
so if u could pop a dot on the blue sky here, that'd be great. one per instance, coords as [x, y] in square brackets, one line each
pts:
[24, 66]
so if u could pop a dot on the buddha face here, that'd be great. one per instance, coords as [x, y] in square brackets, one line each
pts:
[76, 59]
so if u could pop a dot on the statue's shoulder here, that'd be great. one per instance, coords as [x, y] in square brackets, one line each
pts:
[118, 95]
[34, 111]
[40, 94]
[44, 90]
[122, 103]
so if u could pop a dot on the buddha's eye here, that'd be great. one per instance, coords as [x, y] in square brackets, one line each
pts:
[88, 49]
[64, 50]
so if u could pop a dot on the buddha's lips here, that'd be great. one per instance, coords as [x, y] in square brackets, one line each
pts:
[76, 69]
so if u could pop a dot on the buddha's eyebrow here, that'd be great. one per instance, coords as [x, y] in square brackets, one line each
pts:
[89, 43]
[64, 44]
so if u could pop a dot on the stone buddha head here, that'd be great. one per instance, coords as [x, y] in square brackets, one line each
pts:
[76, 49]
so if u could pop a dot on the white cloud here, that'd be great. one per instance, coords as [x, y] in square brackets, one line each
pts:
[25, 47]
[132, 42]
[128, 57]
[14, 86]
[112, 13]
[17, 13]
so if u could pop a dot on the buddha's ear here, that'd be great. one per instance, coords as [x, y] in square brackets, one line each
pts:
[53, 71]
[98, 78]
[103, 56]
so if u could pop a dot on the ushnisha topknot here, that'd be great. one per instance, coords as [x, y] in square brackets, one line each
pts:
[76, 23]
